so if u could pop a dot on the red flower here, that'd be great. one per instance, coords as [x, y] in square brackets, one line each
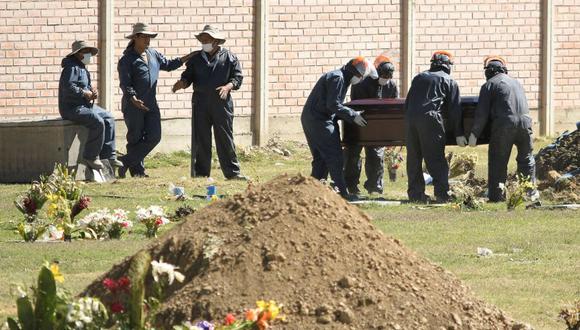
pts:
[230, 319]
[158, 222]
[84, 202]
[29, 205]
[110, 284]
[117, 308]
[124, 283]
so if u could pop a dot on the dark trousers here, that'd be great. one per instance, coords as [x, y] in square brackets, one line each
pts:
[221, 118]
[143, 134]
[500, 146]
[324, 142]
[426, 140]
[101, 126]
[374, 168]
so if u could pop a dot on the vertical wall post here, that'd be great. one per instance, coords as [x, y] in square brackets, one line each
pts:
[407, 45]
[260, 116]
[106, 53]
[546, 113]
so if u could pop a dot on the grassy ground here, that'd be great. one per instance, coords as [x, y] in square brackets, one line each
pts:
[533, 273]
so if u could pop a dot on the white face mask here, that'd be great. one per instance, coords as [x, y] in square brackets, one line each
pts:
[86, 58]
[355, 80]
[207, 47]
[383, 81]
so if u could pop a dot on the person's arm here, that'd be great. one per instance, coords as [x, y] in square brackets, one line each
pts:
[334, 103]
[236, 75]
[170, 65]
[483, 110]
[126, 84]
[454, 106]
[125, 79]
[69, 85]
[235, 78]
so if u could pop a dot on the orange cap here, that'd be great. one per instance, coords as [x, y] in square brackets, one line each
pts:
[360, 64]
[443, 52]
[494, 58]
[382, 59]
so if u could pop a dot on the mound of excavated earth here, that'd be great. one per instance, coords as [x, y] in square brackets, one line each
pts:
[294, 241]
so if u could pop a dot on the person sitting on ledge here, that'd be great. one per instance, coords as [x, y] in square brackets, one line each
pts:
[76, 98]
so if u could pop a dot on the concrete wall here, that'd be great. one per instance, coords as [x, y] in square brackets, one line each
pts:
[306, 38]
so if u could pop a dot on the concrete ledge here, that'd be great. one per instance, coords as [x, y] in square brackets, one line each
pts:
[30, 148]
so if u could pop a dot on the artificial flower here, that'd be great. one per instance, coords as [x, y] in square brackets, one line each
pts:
[56, 273]
[162, 268]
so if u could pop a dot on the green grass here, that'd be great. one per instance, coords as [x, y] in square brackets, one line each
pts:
[535, 269]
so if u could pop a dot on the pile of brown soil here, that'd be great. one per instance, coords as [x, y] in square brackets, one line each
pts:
[561, 156]
[294, 241]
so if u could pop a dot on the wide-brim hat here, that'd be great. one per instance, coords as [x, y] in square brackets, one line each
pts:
[141, 28]
[79, 45]
[212, 32]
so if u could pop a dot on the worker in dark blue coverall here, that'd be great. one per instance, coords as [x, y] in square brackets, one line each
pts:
[383, 88]
[433, 94]
[214, 72]
[503, 103]
[321, 112]
[75, 103]
[138, 73]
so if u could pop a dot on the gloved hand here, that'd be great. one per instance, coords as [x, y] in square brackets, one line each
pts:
[472, 140]
[359, 120]
[461, 141]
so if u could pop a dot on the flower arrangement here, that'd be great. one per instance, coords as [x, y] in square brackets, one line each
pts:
[393, 160]
[64, 199]
[86, 313]
[517, 191]
[128, 308]
[104, 223]
[259, 318]
[152, 217]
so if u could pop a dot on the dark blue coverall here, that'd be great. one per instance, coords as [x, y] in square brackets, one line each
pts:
[73, 106]
[138, 78]
[502, 101]
[374, 162]
[206, 74]
[319, 118]
[432, 94]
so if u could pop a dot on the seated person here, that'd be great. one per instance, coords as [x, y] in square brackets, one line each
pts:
[76, 99]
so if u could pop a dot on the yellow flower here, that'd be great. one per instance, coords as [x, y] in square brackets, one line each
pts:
[56, 273]
[269, 307]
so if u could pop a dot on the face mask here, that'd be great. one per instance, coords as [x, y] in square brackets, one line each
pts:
[207, 47]
[86, 58]
[383, 81]
[355, 80]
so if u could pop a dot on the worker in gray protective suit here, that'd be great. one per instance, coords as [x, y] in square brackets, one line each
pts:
[432, 96]
[384, 87]
[323, 108]
[503, 103]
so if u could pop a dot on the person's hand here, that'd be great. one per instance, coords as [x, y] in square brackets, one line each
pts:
[180, 84]
[186, 58]
[95, 93]
[87, 94]
[472, 140]
[138, 104]
[461, 141]
[359, 120]
[225, 90]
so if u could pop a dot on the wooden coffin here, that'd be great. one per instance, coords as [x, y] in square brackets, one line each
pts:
[386, 122]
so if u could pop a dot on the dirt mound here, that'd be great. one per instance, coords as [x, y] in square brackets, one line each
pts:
[561, 156]
[294, 241]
